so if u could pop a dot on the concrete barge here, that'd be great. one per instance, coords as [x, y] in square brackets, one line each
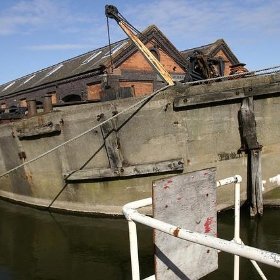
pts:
[96, 157]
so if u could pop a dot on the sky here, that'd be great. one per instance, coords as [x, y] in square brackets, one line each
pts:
[35, 34]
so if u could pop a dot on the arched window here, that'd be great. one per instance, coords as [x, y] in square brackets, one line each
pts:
[155, 53]
[72, 98]
[12, 109]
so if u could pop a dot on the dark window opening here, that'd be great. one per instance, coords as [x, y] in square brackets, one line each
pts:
[39, 105]
[72, 98]
[155, 53]
[12, 109]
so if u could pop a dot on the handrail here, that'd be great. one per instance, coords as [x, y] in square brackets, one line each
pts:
[235, 247]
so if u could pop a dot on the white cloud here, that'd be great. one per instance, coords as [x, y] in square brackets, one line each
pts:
[26, 16]
[199, 21]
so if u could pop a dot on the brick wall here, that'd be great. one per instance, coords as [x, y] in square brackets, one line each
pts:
[94, 91]
[140, 87]
[227, 63]
[138, 62]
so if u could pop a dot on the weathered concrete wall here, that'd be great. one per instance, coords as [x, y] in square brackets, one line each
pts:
[204, 136]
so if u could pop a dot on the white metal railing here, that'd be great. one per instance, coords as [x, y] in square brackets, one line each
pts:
[235, 247]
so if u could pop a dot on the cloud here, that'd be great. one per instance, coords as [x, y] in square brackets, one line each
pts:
[26, 16]
[197, 21]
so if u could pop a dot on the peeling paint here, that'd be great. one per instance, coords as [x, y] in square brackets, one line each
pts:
[176, 232]
[207, 225]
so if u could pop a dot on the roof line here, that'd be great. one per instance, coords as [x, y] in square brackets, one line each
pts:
[203, 46]
[61, 62]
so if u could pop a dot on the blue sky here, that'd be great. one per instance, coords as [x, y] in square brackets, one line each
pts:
[35, 34]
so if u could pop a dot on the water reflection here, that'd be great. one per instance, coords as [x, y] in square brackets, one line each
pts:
[263, 233]
[50, 246]
[40, 245]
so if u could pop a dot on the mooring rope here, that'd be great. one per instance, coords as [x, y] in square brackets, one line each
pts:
[85, 132]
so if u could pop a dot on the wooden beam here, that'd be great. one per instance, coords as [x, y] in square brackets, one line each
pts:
[228, 91]
[249, 144]
[38, 130]
[112, 145]
[256, 205]
[129, 171]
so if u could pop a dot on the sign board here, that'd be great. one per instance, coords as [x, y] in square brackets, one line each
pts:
[189, 202]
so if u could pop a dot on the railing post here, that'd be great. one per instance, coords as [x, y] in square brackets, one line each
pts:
[133, 250]
[237, 248]
[236, 226]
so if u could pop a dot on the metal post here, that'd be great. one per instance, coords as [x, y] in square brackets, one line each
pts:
[128, 210]
[236, 227]
[237, 238]
[133, 250]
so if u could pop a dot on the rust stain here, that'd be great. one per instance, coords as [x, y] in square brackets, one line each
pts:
[176, 232]
[166, 187]
[207, 224]
[169, 181]
[179, 198]
[29, 179]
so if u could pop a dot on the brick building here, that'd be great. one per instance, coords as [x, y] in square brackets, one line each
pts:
[111, 72]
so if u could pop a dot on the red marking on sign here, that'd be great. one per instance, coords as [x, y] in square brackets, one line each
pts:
[207, 225]
[166, 187]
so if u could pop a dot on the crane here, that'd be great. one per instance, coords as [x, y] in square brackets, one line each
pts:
[112, 12]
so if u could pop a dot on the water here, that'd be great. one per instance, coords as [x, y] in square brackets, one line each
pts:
[263, 233]
[50, 246]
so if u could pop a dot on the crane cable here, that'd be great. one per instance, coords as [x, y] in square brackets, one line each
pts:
[110, 46]
[109, 36]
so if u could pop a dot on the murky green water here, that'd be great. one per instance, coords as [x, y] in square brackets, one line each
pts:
[44, 246]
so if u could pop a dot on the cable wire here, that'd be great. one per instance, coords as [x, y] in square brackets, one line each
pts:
[85, 132]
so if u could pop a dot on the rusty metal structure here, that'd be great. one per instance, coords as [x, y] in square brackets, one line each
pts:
[201, 67]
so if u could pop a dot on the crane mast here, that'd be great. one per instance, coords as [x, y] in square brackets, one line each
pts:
[112, 12]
